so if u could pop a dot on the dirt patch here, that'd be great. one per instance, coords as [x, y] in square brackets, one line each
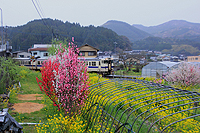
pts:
[27, 107]
[30, 96]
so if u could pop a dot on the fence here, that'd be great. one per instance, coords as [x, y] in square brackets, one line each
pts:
[137, 106]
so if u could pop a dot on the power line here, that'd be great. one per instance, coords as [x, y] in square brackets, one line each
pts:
[41, 15]
[40, 8]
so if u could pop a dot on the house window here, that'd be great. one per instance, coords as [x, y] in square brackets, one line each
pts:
[35, 53]
[82, 53]
[91, 53]
[22, 56]
[45, 54]
[196, 58]
[93, 63]
[89, 63]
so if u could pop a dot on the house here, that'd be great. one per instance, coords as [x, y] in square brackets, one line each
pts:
[5, 50]
[103, 55]
[174, 58]
[166, 58]
[21, 54]
[88, 51]
[193, 58]
[40, 50]
[153, 58]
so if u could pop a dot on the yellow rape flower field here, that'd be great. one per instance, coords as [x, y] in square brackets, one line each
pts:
[141, 106]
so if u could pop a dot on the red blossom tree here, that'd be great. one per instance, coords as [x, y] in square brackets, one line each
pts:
[47, 83]
[65, 80]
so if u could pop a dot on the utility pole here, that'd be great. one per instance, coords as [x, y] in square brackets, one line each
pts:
[1, 30]
[6, 32]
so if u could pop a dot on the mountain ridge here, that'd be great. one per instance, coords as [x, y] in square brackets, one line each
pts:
[172, 28]
[125, 29]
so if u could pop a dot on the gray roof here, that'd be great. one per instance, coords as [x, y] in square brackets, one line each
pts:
[168, 63]
[157, 65]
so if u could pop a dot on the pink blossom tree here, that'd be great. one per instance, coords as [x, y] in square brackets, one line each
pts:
[70, 79]
[185, 75]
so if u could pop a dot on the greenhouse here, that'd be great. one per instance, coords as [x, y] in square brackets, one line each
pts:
[157, 69]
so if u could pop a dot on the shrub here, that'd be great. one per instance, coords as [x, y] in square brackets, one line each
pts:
[8, 73]
[62, 124]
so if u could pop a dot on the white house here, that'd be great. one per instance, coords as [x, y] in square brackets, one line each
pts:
[40, 50]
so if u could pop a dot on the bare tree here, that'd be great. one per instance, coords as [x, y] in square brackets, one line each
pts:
[129, 60]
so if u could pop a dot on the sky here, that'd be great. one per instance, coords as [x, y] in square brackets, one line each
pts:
[98, 12]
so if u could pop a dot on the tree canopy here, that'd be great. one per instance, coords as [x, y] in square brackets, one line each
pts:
[38, 32]
[168, 45]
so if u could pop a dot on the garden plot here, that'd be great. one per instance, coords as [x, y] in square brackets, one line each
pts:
[123, 105]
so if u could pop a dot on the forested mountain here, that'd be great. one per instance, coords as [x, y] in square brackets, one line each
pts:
[168, 45]
[125, 29]
[176, 36]
[42, 32]
[174, 28]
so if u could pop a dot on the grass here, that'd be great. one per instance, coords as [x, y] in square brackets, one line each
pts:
[196, 88]
[29, 83]
[193, 88]
[129, 73]
[34, 117]
[28, 86]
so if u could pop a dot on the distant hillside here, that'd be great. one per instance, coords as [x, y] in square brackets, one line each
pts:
[174, 28]
[122, 28]
[152, 43]
[38, 31]
[168, 45]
